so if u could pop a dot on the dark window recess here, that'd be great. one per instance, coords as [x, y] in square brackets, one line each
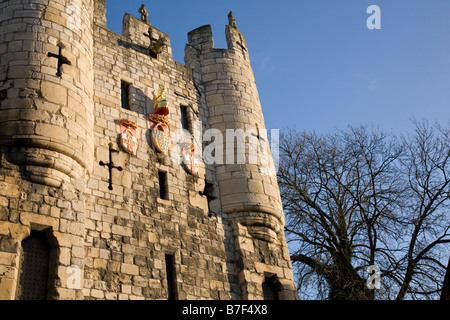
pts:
[271, 288]
[163, 189]
[153, 55]
[210, 194]
[3, 94]
[125, 89]
[209, 191]
[184, 118]
[268, 292]
[171, 278]
[34, 269]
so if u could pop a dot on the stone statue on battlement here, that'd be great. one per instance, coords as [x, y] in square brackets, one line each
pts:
[231, 19]
[144, 13]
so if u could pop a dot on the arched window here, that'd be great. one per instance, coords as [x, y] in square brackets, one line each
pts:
[34, 267]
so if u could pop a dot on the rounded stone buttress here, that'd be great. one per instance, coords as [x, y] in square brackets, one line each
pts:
[247, 178]
[46, 86]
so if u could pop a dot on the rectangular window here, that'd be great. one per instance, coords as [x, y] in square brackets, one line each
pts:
[125, 90]
[184, 118]
[209, 192]
[271, 287]
[172, 293]
[163, 188]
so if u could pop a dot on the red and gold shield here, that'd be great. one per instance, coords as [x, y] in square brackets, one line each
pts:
[159, 126]
[188, 152]
[128, 135]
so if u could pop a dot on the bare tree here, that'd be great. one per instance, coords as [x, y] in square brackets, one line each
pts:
[359, 198]
[426, 163]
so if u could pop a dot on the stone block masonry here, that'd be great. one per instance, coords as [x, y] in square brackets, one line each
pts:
[216, 234]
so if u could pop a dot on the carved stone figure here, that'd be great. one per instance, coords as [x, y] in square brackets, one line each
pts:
[231, 19]
[157, 46]
[144, 13]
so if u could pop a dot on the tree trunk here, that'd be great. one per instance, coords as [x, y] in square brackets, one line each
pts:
[346, 284]
[343, 281]
[406, 281]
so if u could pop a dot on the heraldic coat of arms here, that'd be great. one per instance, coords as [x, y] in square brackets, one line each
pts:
[128, 137]
[159, 121]
[188, 153]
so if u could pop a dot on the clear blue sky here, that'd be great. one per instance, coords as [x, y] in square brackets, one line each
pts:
[317, 66]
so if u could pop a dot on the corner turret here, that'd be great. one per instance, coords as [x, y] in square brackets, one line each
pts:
[46, 130]
[248, 185]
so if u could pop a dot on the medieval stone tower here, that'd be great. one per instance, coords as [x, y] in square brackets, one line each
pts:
[94, 200]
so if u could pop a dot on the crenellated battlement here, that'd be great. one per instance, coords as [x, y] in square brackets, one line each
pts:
[202, 39]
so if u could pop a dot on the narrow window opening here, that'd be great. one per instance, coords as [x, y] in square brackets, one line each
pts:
[153, 55]
[163, 188]
[271, 288]
[184, 118]
[209, 192]
[171, 278]
[125, 94]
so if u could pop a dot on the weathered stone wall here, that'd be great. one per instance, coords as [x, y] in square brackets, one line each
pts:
[222, 225]
[130, 229]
